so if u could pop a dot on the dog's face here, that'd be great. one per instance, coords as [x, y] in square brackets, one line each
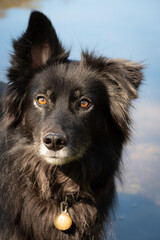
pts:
[64, 111]
[67, 108]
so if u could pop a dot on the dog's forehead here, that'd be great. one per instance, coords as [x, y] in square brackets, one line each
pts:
[67, 76]
[74, 72]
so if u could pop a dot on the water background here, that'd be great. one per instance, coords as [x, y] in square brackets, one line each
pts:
[118, 29]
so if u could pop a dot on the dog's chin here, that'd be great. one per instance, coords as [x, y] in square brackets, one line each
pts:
[60, 157]
[57, 161]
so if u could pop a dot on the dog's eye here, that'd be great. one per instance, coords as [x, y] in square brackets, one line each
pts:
[41, 100]
[84, 103]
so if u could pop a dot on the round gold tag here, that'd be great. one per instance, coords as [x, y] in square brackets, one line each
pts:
[63, 221]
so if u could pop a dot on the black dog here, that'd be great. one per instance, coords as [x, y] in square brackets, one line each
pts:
[63, 129]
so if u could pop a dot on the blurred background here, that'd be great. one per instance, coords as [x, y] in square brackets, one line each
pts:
[116, 29]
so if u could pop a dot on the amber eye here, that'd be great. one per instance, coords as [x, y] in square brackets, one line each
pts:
[84, 103]
[41, 100]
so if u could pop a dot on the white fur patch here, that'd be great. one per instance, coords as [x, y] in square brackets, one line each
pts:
[55, 157]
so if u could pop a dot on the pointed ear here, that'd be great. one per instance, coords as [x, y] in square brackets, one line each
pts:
[38, 45]
[121, 79]
[44, 40]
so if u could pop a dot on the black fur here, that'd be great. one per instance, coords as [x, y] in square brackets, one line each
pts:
[37, 174]
[2, 87]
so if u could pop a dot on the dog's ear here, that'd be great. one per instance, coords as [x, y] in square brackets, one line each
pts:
[121, 79]
[38, 45]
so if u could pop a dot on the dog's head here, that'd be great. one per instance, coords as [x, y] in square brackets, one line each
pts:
[67, 108]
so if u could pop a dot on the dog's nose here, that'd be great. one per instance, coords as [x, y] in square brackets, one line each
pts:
[55, 141]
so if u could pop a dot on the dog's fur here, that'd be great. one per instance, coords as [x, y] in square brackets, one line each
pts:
[34, 177]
